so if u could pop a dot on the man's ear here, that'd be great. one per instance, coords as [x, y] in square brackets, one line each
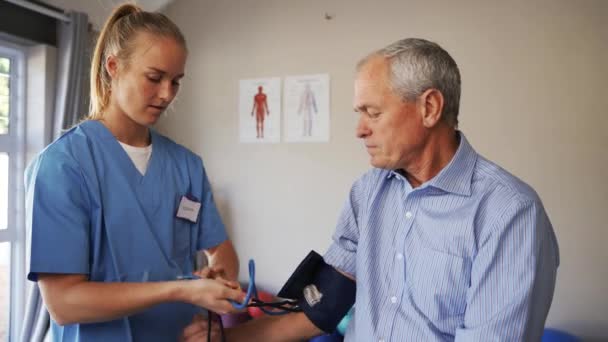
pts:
[431, 102]
[111, 65]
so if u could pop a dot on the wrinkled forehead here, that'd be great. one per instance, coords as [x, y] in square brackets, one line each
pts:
[374, 70]
[372, 80]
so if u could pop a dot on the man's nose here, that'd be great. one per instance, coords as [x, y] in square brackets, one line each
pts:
[362, 129]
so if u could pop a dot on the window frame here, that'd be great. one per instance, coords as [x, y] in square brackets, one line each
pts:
[13, 143]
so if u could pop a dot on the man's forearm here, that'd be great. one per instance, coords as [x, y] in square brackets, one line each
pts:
[290, 327]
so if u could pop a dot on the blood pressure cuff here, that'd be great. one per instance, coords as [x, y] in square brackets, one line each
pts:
[324, 294]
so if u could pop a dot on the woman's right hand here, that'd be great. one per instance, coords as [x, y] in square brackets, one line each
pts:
[213, 294]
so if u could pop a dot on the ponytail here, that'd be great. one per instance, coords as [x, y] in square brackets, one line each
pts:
[116, 39]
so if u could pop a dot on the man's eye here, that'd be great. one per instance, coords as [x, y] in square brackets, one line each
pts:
[154, 79]
[373, 115]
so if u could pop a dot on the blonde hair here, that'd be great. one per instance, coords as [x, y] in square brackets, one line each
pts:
[117, 39]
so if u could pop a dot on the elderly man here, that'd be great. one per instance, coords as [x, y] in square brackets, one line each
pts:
[443, 244]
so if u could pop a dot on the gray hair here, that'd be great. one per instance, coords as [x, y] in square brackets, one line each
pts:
[417, 65]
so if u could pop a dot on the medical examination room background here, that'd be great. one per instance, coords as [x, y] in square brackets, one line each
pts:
[534, 99]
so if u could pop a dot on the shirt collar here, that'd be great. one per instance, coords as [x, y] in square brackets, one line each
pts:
[456, 177]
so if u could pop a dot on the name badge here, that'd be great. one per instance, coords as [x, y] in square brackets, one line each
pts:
[188, 209]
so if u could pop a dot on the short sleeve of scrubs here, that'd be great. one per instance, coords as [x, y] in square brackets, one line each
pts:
[58, 211]
[212, 231]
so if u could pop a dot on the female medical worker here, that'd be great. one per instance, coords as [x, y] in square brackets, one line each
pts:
[119, 211]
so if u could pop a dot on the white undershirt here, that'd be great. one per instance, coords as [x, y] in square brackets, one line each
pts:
[139, 155]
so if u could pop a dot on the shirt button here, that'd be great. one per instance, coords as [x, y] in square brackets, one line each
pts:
[393, 299]
[399, 256]
[381, 340]
[408, 214]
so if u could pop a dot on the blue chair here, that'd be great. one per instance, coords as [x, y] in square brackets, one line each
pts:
[554, 335]
[335, 337]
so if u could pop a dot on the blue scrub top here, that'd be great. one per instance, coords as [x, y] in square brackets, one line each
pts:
[92, 212]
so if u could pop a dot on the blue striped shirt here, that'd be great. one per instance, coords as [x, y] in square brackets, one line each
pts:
[469, 255]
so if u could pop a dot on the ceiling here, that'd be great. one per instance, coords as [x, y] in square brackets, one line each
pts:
[99, 10]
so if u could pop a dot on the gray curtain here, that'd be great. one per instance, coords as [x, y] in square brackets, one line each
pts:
[70, 105]
[72, 72]
[36, 322]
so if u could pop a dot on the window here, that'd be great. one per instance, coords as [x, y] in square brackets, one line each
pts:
[12, 143]
[5, 69]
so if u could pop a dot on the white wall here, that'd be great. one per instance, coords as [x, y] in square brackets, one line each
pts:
[533, 100]
[99, 10]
